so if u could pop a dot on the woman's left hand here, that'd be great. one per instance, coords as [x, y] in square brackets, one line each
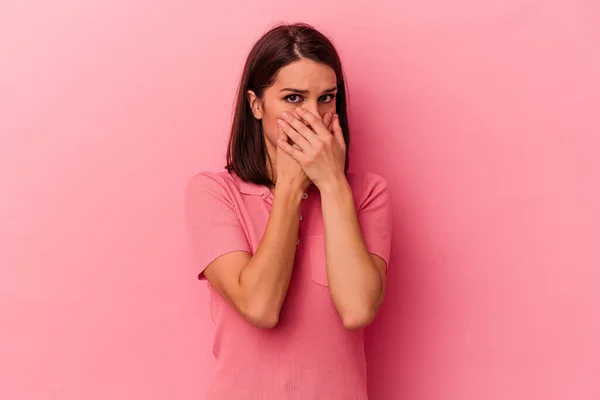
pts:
[320, 153]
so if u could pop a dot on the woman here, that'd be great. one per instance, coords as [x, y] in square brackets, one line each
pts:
[295, 249]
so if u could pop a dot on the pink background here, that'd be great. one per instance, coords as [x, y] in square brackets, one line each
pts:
[483, 116]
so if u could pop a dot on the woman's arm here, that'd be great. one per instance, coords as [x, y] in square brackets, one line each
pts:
[257, 285]
[356, 278]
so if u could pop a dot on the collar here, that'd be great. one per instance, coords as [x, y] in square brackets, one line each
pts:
[253, 189]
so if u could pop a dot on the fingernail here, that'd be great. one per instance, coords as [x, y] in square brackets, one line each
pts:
[280, 123]
[286, 114]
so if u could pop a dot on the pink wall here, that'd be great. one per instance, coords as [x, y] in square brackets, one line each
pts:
[482, 114]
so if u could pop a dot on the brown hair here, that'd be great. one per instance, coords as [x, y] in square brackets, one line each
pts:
[282, 45]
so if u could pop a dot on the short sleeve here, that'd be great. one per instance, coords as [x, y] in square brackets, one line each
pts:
[375, 216]
[212, 223]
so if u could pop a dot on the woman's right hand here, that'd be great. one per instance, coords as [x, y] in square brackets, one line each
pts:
[288, 170]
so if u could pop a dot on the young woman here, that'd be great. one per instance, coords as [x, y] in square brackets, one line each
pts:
[294, 248]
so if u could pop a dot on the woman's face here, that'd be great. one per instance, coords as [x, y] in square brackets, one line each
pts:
[303, 83]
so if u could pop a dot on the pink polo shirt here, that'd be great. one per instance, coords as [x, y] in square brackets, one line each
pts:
[309, 354]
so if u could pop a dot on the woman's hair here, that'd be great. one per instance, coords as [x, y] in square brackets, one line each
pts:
[282, 45]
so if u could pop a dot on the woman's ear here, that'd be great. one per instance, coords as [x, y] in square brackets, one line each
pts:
[255, 104]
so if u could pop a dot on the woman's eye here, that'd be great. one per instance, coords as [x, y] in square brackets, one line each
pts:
[331, 97]
[292, 98]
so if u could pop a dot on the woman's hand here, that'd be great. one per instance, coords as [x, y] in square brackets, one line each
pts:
[289, 172]
[320, 152]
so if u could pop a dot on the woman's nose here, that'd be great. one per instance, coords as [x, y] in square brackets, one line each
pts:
[314, 110]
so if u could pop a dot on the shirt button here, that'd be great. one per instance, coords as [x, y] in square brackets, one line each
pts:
[297, 242]
[305, 196]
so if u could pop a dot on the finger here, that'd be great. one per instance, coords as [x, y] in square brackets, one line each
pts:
[315, 122]
[327, 119]
[300, 126]
[281, 135]
[295, 114]
[292, 151]
[338, 134]
[293, 134]
[285, 138]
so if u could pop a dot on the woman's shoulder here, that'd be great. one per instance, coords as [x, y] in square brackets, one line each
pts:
[222, 183]
[365, 181]
[222, 178]
[366, 185]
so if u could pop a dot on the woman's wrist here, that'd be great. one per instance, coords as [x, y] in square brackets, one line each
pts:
[335, 187]
[289, 189]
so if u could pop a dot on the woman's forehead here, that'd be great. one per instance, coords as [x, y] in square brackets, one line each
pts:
[305, 75]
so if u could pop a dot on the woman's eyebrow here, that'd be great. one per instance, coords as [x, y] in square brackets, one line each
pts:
[303, 91]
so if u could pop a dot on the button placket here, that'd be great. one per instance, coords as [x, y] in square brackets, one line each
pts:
[304, 197]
